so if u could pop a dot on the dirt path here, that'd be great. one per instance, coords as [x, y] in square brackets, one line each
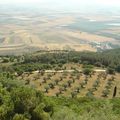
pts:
[68, 71]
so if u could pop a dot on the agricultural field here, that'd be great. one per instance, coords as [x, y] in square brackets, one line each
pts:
[71, 83]
[69, 74]
[28, 32]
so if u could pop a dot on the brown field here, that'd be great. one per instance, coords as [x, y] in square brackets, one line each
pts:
[99, 84]
[44, 33]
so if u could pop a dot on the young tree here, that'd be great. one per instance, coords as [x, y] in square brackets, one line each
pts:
[52, 85]
[78, 89]
[69, 83]
[60, 90]
[44, 80]
[111, 71]
[47, 88]
[73, 94]
[65, 86]
[27, 82]
[87, 71]
[56, 81]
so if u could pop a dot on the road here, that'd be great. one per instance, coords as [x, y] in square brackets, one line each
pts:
[68, 71]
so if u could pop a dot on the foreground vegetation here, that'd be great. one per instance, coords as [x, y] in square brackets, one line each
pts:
[21, 102]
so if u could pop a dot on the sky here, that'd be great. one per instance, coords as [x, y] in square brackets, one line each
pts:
[85, 6]
[65, 2]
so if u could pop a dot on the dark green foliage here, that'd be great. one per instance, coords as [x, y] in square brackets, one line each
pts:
[47, 88]
[111, 71]
[116, 105]
[55, 60]
[118, 68]
[87, 71]
[20, 102]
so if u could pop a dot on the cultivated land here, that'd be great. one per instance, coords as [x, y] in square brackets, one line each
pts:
[73, 82]
[67, 73]
[58, 31]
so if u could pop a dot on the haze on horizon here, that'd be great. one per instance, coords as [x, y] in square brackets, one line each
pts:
[86, 6]
[65, 2]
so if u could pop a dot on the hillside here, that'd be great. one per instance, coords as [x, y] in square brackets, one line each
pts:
[60, 85]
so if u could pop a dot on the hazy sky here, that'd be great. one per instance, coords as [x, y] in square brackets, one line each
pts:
[83, 6]
[69, 2]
